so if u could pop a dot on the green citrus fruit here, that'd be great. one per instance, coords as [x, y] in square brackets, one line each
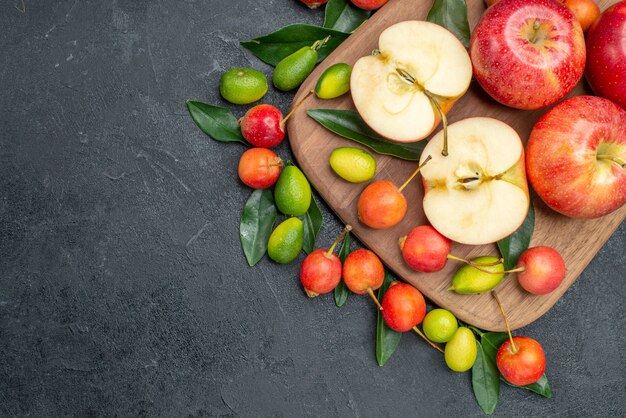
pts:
[353, 164]
[292, 70]
[243, 85]
[292, 192]
[440, 325]
[469, 280]
[334, 81]
[286, 241]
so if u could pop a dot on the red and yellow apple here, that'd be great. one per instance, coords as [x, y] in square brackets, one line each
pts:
[478, 194]
[314, 4]
[419, 70]
[606, 55]
[576, 157]
[528, 54]
[521, 360]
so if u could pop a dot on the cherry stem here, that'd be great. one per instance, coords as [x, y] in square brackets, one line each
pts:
[536, 26]
[478, 266]
[414, 174]
[293, 109]
[347, 229]
[444, 121]
[506, 322]
[612, 158]
[374, 298]
[421, 334]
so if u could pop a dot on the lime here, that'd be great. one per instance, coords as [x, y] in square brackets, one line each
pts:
[334, 81]
[243, 85]
[440, 325]
[286, 241]
[292, 192]
[353, 164]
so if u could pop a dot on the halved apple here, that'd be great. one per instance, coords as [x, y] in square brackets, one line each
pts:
[478, 194]
[403, 88]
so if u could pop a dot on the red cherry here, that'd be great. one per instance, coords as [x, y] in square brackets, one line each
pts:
[403, 307]
[259, 168]
[522, 363]
[262, 126]
[320, 272]
[425, 249]
[543, 270]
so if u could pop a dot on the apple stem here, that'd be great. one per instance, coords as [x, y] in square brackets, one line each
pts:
[421, 334]
[374, 298]
[414, 174]
[347, 229]
[506, 322]
[536, 26]
[613, 158]
[292, 111]
[444, 121]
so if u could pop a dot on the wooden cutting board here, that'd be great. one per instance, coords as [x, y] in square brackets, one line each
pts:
[577, 240]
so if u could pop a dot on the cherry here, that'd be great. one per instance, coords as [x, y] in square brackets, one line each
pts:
[540, 270]
[363, 272]
[320, 271]
[263, 126]
[521, 360]
[259, 168]
[403, 308]
[424, 249]
[382, 205]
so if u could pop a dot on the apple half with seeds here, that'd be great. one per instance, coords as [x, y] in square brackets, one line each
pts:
[404, 88]
[478, 194]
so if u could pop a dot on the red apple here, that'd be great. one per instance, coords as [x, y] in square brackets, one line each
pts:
[606, 54]
[576, 157]
[522, 363]
[528, 54]
[543, 270]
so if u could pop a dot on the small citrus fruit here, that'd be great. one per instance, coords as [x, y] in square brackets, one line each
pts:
[243, 85]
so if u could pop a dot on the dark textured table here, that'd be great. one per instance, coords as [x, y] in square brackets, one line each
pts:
[123, 288]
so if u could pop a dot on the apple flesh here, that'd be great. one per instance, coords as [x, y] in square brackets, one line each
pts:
[418, 67]
[606, 55]
[478, 194]
[577, 155]
[528, 54]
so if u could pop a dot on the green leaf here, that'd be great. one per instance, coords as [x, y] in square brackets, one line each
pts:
[540, 387]
[452, 15]
[491, 342]
[515, 244]
[217, 122]
[348, 124]
[312, 224]
[343, 16]
[341, 291]
[257, 221]
[272, 48]
[485, 381]
[387, 340]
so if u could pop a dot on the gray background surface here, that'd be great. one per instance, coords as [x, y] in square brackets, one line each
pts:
[123, 288]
